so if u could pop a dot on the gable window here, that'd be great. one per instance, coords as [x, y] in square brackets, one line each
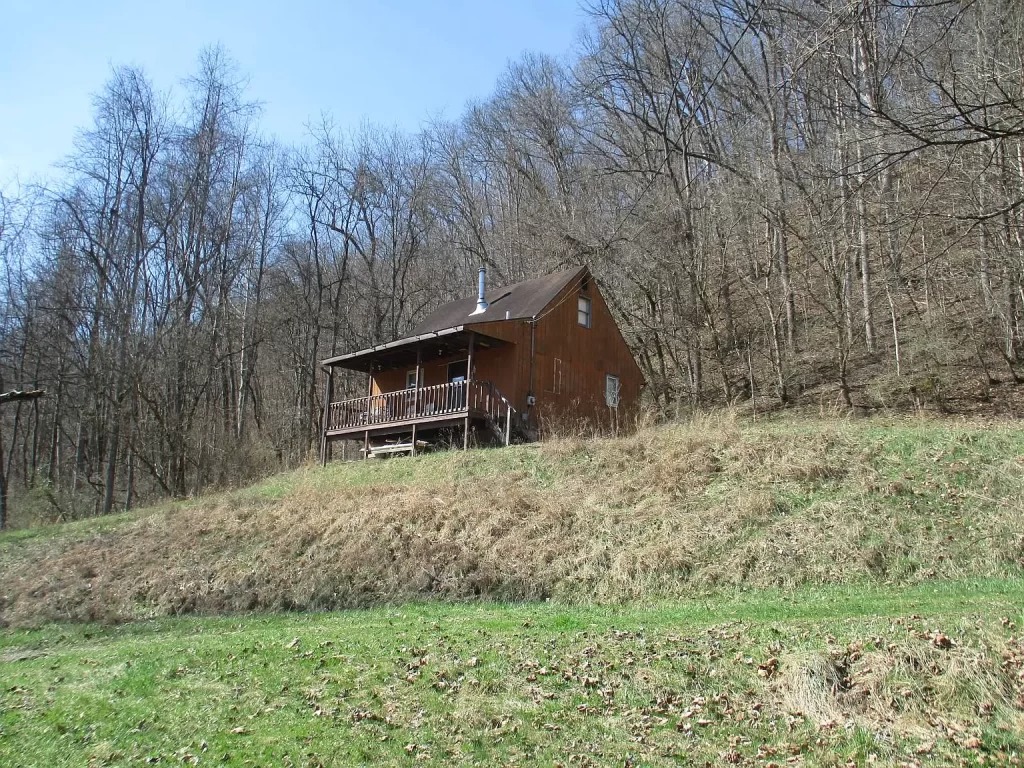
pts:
[583, 314]
[612, 391]
[410, 379]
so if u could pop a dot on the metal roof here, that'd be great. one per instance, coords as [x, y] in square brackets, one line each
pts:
[353, 359]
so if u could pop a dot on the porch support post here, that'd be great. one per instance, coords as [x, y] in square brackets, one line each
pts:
[469, 386]
[328, 395]
[416, 397]
[369, 394]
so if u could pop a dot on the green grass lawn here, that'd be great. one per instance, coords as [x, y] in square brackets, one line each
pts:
[922, 675]
[862, 583]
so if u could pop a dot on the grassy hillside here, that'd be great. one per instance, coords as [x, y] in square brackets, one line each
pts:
[708, 506]
[890, 676]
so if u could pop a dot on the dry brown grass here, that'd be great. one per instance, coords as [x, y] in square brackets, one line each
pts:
[916, 681]
[665, 512]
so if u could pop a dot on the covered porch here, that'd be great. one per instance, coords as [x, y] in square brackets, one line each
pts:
[401, 411]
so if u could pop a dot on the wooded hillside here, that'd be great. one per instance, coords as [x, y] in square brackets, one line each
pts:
[779, 197]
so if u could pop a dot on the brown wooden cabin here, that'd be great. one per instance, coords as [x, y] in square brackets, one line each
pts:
[489, 369]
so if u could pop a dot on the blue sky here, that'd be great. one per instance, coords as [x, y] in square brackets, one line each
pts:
[392, 62]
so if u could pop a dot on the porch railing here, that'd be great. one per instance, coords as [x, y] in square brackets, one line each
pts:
[454, 398]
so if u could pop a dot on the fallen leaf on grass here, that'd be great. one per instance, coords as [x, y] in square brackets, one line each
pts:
[769, 668]
[941, 640]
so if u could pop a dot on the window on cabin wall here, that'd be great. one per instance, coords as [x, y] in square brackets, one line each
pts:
[583, 311]
[612, 390]
[410, 379]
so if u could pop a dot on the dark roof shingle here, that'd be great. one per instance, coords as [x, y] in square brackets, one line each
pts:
[512, 302]
[445, 324]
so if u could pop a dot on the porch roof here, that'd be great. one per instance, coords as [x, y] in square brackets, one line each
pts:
[402, 352]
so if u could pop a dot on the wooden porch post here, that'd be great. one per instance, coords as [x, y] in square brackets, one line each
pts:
[369, 394]
[416, 398]
[328, 395]
[469, 382]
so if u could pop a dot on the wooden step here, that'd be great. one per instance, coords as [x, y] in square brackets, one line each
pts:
[392, 448]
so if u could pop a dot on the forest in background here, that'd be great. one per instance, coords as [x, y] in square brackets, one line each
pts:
[782, 200]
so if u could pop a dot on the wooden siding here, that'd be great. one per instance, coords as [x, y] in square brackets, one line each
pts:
[571, 361]
[490, 364]
[508, 366]
[567, 375]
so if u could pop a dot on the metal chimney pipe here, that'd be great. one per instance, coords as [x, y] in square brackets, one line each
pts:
[481, 302]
